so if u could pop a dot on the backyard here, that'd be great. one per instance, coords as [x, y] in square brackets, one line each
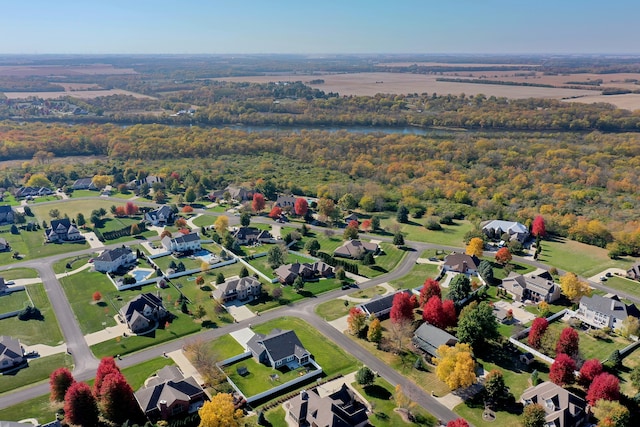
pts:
[259, 377]
[32, 332]
[416, 277]
[13, 302]
[38, 370]
[632, 287]
[30, 245]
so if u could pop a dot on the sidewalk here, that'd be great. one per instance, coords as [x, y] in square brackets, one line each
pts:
[77, 270]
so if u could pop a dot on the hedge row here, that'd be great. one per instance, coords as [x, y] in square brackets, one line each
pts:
[349, 267]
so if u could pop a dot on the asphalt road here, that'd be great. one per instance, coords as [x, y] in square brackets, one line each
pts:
[86, 364]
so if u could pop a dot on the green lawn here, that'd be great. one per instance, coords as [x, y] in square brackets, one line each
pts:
[500, 273]
[19, 273]
[334, 309]
[416, 277]
[450, 235]
[71, 207]
[13, 301]
[582, 259]
[119, 195]
[85, 193]
[276, 417]
[630, 362]
[39, 369]
[226, 346]
[165, 261]
[35, 331]
[181, 326]
[205, 220]
[333, 359]
[623, 284]
[258, 380]
[289, 295]
[30, 245]
[388, 259]
[329, 239]
[137, 374]
[380, 395]
[76, 262]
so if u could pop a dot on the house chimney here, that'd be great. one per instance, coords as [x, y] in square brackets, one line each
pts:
[304, 395]
[163, 408]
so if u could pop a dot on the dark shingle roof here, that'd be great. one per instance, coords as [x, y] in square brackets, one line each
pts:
[113, 254]
[191, 237]
[429, 338]
[382, 303]
[279, 344]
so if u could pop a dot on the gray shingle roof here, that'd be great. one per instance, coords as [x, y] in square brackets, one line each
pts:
[113, 254]
[278, 344]
[428, 338]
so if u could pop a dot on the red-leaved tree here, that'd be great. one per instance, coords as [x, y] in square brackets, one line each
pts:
[107, 366]
[538, 228]
[590, 369]
[562, 369]
[257, 204]
[366, 225]
[604, 386]
[80, 406]
[130, 208]
[430, 289]
[120, 211]
[187, 209]
[353, 224]
[538, 328]
[568, 342]
[432, 312]
[458, 422]
[503, 256]
[97, 296]
[401, 309]
[59, 382]
[117, 402]
[301, 206]
[449, 310]
[275, 212]
[356, 321]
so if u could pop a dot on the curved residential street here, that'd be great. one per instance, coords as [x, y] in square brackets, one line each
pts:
[86, 364]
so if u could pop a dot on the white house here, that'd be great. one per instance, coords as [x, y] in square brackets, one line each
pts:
[112, 259]
[185, 243]
[160, 216]
[603, 312]
[496, 228]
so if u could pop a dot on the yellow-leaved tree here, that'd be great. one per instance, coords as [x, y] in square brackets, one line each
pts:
[455, 365]
[475, 247]
[101, 181]
[221, 224]
[219, 412]
[574, 288]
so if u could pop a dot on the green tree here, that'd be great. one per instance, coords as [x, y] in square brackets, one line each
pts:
[459, 288]
[375, 222]
[398, 239]
[298, 284]
[365, 376]
[54, 213]
[275, 257]
[190, 195]
[80, 221]
[495, 386]
[611, 414]
[478, 325]
[312, 246]
[245, 219]
[347, 202]
[350, 233]
[402, 214]
[368, 259]
[367, 203]
[220, 278]
[244, 272]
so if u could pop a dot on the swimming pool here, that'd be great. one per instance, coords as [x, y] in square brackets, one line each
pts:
[205, 255]
[140, 274]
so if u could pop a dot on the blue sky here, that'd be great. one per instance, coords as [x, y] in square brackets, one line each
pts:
[328, 26]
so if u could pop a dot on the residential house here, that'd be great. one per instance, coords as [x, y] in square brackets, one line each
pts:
[351, 217]
[6, 214]
[240, 288]
[380, 306]
[169, 393]
[355, 249]
[496, 228]
[31, 192]
[111, 260]
[185, 243]
[563, 408]
[338, 409]
[142, 312]
[239, 194]
[534, 288]
[11, 353]
[288, 273]
[278, 348]
[605, 312]
[149, 180]
[61, 230]
[428, 338]
[286, 203]
[634, 272]
[251, 235]
[4, 245]
[84, 184]
[160, 217]
[458, 262]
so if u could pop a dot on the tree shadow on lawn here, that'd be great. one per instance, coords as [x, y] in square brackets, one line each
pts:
[208, 324]
[502, 356]
[377, 392]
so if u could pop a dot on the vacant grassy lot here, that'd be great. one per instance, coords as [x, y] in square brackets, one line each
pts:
[19, 273]
[582, 259]
[38, 370]
[500, 273]
[629, 286]
[70, 207]
[32, 332]
[334, 309]
[226, 346]
[332, 358]
[13, 301]
[450, 235]
[205, 220]
[416, 277]
[386, 261]
[75, 262]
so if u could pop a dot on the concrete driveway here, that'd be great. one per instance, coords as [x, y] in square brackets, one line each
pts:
[92, 240]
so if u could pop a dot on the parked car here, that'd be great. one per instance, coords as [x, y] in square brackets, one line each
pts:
[603, 278]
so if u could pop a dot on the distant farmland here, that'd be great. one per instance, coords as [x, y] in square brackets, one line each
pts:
[81, 94]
